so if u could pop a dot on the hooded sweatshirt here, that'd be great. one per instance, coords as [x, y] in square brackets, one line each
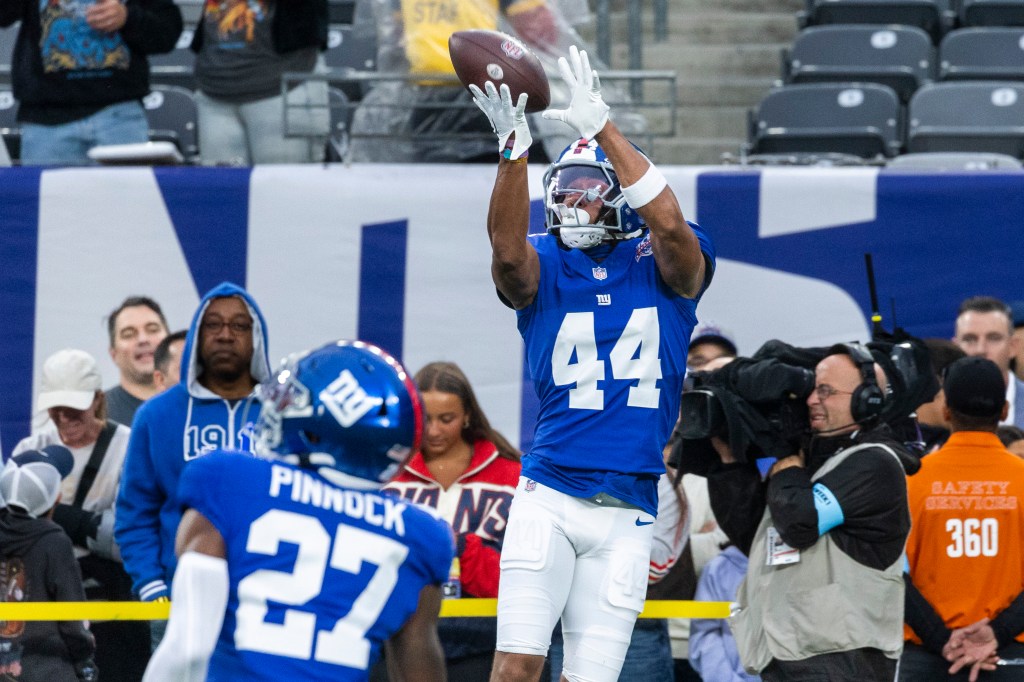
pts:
[170, 430]
[37, 563]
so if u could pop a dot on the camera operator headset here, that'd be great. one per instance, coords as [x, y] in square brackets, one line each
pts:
[868, 400]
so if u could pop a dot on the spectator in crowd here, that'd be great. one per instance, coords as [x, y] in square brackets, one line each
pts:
[705, 543]
[709, 342]
[80, 71]
[984, 328]
[931, 416]
[468, 472]
[167, 360]
[37, 564]
[1012, 438]
[713, 652]
[243, 48]
[336, 422]
[224, 358]
[414, 41]
[70, 392]
[1017, 362]
[620, 272]
[826, 560]
[965, 552]
[135, 328]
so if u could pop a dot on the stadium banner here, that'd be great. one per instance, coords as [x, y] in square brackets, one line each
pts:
[399, 255]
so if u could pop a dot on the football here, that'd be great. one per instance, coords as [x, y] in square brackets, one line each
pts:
[481, 55]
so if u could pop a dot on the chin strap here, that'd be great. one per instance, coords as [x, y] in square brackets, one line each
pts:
[582, 237]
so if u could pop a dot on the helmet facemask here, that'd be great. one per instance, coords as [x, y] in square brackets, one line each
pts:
[584, 203]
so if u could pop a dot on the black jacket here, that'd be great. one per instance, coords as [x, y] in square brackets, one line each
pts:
[37, 563]
[870, 489]
[68, 94]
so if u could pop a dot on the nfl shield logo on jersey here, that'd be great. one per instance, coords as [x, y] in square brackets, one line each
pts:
[600, 273]
[530, 486]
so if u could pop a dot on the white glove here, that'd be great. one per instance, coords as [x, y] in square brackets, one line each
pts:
[587, 111]
[505, 119]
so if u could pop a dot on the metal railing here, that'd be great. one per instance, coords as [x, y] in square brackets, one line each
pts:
[648, 114]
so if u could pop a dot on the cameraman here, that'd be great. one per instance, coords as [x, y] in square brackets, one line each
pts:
[821, 596]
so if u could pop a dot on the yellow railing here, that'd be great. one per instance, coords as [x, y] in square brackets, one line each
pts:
[475, 608]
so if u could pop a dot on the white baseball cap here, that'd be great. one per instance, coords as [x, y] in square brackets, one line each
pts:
[31, 480]
[70, 379]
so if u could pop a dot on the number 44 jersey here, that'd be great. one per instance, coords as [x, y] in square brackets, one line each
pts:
[319, 576]
[606, 343]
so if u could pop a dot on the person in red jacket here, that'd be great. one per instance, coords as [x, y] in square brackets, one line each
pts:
[468, 472]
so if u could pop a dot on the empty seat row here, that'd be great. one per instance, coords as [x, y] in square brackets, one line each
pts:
[902, 57]
[869, 121]
[935, 17]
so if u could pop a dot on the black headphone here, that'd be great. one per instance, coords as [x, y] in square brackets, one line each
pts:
[868, 399]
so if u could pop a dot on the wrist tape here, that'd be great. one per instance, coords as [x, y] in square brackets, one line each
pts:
[644, 190]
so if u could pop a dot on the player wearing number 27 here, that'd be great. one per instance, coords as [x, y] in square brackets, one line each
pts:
[606, 303]
[294, 565]
[966, 544]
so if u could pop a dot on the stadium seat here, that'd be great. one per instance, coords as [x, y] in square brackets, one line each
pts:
[861, 119]
[935, 17]
[176, 67]
[991, 12]
[8, 123]
[352, 46]
[341, 11]
[8, 36]
[970, 116]
[898, 56]
[982, 53]
[172, 116]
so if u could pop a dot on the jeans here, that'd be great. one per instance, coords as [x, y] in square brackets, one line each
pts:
[68, 143]
[648, 659]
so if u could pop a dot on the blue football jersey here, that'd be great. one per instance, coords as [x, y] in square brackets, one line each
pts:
[606, 345]
[320, 576]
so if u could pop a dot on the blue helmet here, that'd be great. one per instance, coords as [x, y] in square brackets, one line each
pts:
[347, 409]
[582, 174]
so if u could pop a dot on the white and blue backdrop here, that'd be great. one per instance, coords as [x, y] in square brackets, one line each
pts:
[398, 255]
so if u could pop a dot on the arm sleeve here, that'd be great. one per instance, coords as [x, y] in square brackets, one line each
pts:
[1009, 622]
[479, 566]
[152, 26]
[137, 526]
[197, 614]
[922, 618]
[791, 500]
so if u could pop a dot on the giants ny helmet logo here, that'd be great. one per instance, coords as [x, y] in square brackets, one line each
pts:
[347, 400]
